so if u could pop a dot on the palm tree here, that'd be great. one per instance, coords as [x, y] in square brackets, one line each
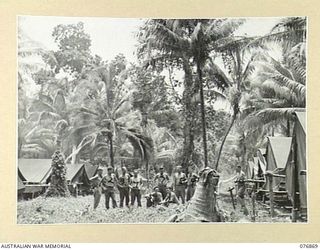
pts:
[281, 83]
[111, 119]
[183, 41]
[168, 40]
[239, 61]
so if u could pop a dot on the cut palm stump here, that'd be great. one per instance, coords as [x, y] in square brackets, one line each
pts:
[203, 205]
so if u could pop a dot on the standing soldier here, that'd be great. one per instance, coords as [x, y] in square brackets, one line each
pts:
[191, 185]
[162, 179]
[179, 182]
[123, 186]
[97, 187]
[240, 182]
[136, 184]
[109, 183]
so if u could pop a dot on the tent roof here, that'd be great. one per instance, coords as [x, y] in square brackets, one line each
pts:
[35, 170]
[90, 170]
[302, 119]
[281, 147]
[72, 170]
[20, 184]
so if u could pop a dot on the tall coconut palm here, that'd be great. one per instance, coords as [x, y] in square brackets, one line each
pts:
[108, 120]
[184, 41]
[239, 61]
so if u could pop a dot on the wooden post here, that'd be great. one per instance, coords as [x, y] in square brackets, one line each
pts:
[270, 177]
[253, 196]
[232, 199]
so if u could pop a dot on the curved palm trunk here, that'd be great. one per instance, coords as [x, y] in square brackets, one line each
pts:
[224, 139]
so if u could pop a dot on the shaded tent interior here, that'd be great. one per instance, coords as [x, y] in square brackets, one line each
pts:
[20, 186]
[257, 166]
[78, 177]
[296, 182]
[278, 158]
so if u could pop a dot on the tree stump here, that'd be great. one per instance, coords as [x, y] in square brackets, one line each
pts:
[58, 186]
[203, 205]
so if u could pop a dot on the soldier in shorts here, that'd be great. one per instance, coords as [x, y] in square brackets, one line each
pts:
[180, 182]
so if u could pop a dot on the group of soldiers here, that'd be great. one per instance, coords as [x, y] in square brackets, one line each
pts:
[180, 189]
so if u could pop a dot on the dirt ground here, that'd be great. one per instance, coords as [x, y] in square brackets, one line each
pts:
[79, 210]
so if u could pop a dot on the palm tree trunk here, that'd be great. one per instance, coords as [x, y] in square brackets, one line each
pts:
[203, 118]
[288, 127]
[224, 138]
[111, 151]
[189, 114]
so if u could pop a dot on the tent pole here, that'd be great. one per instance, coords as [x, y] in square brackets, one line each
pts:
[295, 186]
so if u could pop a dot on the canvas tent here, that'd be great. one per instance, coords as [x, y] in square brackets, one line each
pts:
[257, 168]
[278, 157]
[261, 154]
[75, 173]
[90, 170]
[78, 176]
[20, 185]
[296, 172]
[250, 170]
[34, 174]
[35, 171]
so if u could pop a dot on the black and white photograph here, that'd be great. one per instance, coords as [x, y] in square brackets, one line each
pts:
[141, 120]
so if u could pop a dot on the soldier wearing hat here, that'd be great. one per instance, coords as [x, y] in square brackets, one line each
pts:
[162, 180]
[123, 186]
[136, 184]
[97, 186]
[180, 182]
[109, 183]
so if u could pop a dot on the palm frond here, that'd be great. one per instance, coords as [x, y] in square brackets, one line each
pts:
[276, 114]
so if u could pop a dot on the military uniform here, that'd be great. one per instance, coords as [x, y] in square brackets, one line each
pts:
[123, 186]
[240, 180]
[154, 199]
[180, 181]
[136, 183]
[97, 189]
[191, 186]
[162, 180]
[109, 183]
